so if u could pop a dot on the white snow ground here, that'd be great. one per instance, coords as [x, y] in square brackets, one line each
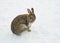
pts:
[46, 28]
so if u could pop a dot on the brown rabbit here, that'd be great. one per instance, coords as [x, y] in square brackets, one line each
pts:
[21, 22]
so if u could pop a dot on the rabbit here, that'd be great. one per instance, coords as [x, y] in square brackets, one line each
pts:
[21, 22]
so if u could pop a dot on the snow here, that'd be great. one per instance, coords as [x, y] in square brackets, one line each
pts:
[46, 28]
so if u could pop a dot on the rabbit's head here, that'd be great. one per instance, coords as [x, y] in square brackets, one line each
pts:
[32, 16]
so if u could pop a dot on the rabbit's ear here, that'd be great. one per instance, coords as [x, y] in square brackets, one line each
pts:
[32, 10]
[29, 11]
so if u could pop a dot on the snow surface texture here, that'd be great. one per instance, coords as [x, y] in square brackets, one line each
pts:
[46, 28]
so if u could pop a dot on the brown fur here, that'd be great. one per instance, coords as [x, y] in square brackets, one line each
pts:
[21, 22]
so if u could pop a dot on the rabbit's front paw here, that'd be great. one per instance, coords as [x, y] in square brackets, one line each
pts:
[29, 30]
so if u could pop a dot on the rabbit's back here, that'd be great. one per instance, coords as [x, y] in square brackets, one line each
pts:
[21, 19]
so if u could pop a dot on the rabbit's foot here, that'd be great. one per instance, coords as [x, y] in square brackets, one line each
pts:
[29, 30]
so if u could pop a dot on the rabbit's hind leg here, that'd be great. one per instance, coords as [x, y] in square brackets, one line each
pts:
[24, 28]
[19, 29]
